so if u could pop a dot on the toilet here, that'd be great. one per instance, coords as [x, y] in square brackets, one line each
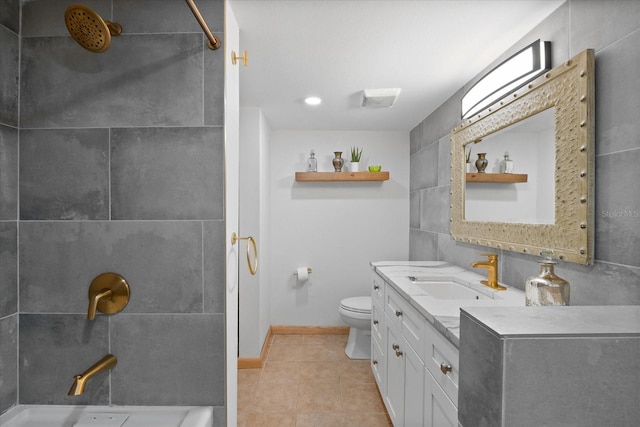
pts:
[356, 312]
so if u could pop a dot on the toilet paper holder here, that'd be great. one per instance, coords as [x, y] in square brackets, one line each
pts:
[308, 271]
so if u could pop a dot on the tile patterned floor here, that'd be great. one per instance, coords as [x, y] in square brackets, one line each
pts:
[308, 381]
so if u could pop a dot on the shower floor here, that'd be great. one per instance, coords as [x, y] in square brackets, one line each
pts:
[308, 381]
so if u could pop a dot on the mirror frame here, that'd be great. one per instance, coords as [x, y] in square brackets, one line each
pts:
[570, 88]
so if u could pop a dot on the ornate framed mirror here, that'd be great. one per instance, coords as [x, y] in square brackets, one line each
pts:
[566, 94]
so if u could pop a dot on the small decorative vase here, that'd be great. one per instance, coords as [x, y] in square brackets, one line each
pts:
[355, 166]
[338, 161]
[547, 288]
[481, 162]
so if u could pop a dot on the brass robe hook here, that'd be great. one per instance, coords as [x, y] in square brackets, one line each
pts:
[235, 58]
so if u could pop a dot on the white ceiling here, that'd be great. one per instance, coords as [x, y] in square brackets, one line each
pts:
[336, 48]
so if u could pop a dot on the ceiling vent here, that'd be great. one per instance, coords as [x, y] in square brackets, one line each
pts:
[379, 98]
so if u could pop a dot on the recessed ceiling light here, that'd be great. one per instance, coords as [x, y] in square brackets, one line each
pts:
[313, 100]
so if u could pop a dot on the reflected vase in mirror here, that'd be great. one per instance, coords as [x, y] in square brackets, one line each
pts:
[338, 161]
[481, 162]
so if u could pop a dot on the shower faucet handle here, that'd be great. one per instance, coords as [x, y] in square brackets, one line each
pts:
[108, 293]
[102, 295]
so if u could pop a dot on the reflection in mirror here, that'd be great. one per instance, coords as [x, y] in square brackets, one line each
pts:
[565, 93]
[530, 144]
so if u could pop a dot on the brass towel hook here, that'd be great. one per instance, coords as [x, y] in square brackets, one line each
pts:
[251, 243]
[235, 58]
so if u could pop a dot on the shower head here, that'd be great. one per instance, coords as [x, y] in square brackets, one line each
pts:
[89, 29]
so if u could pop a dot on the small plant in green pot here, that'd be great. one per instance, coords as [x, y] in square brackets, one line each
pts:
[356, 155]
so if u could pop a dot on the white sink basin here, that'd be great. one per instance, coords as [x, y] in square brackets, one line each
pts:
[445, 289]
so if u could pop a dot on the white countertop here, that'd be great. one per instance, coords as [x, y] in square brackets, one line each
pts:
[444, 314]
[512, 318]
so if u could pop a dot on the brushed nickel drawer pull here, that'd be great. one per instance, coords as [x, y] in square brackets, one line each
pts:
[445, 368]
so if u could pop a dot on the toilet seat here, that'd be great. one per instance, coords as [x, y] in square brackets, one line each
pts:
[360, 305]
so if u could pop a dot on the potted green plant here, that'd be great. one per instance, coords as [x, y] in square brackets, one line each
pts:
[356, 155]
[468, 164]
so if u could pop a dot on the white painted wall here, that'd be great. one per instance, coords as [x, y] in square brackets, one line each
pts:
[254, 305]
[531, 147]
[335, 228]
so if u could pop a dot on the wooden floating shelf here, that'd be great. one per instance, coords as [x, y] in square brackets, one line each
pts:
[504, 178]
[341, 176]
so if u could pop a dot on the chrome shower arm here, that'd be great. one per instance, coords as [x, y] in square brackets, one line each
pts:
[213, 43]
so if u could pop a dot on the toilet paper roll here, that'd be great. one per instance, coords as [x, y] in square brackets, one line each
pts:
[303, 274]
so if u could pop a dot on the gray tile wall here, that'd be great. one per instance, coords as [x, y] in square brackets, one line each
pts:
[9, 78]
[115, 164]
[612, 29]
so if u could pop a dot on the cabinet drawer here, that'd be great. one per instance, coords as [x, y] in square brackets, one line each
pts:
[377, 289]
[378, 366]
[378, 325]
[441, 360]
[405, 318]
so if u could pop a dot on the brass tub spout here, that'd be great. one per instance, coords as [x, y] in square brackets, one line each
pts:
[107, 362]
[492, 267]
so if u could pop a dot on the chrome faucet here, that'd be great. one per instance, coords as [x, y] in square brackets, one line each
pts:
[107, 362]
[492, 267]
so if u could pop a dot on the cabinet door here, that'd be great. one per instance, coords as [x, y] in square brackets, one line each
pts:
[414, 373]
[439, 410]
[394, 396]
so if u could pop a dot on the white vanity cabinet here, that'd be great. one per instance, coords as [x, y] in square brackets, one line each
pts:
[415, 367]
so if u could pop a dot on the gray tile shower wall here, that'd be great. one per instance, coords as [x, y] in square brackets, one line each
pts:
[9, 45]
[8, 361]
[51, 162]
[9, 78]
[121, 167]
[9, 270]
[612, 29]
[167, 173]
[55, 346]
[8, 173]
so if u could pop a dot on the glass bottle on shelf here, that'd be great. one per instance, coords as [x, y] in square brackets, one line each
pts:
[312, 163]
[506, 166]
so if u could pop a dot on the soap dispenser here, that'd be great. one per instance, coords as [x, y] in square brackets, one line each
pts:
[546, 288]
[312, 162]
